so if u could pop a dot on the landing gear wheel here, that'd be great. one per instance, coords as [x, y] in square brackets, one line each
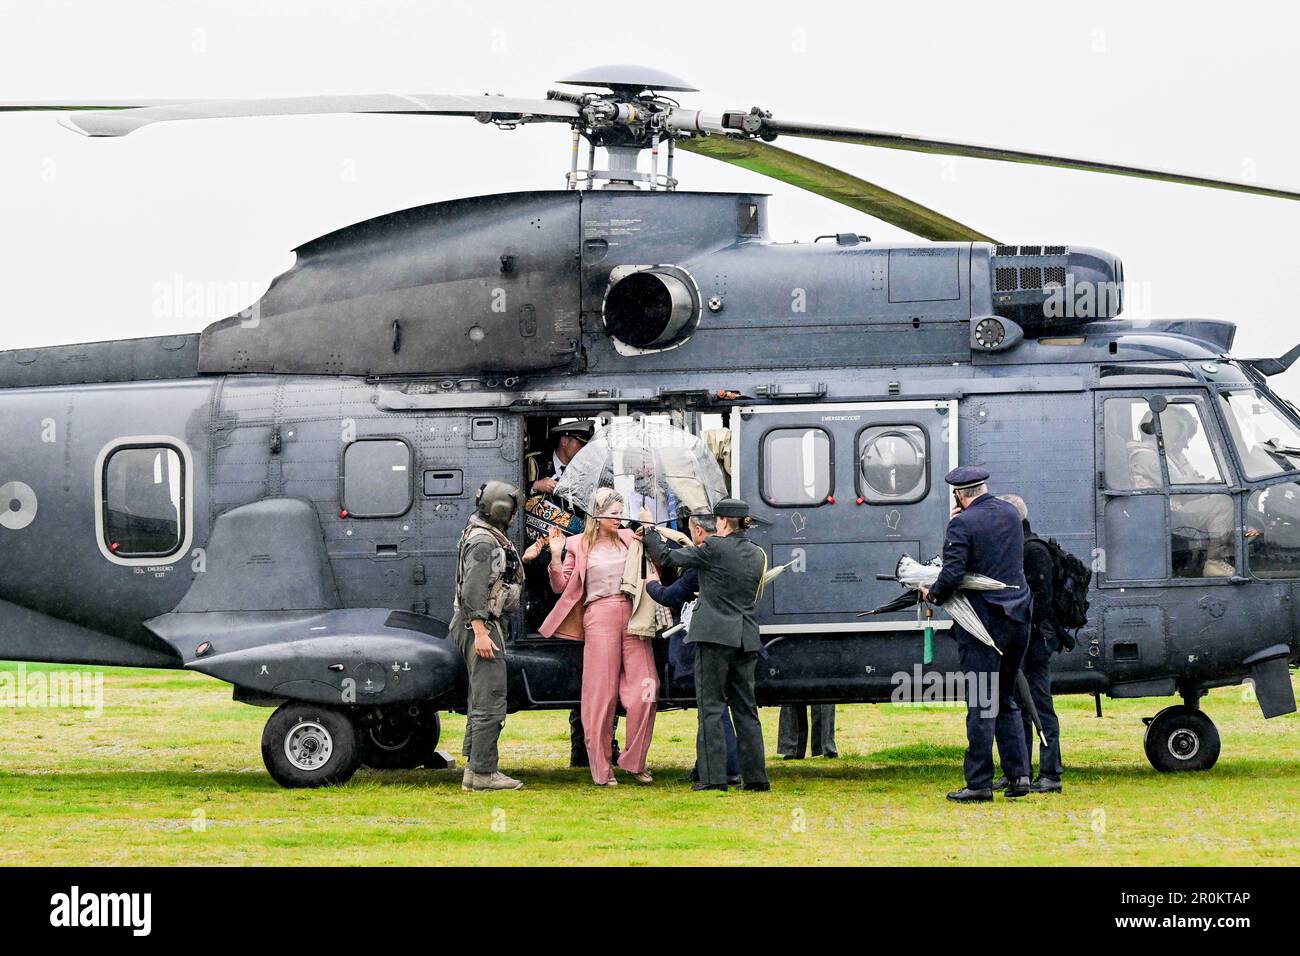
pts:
[401, 740]
[1181, 738]
[309, 745]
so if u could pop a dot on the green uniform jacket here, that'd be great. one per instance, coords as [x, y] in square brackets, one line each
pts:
[731, 572]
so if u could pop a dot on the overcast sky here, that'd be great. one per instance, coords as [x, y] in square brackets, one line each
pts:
[93, 231]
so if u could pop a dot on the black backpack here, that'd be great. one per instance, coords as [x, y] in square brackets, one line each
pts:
[1070, 580]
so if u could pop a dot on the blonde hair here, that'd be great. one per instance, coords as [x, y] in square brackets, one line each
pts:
[601, 502]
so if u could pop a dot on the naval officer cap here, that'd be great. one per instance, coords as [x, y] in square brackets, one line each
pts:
[967, 476]
[582, 430]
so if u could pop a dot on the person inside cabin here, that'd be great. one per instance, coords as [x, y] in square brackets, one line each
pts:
[544, 512]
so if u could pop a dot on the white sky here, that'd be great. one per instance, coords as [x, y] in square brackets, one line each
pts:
[92, 231]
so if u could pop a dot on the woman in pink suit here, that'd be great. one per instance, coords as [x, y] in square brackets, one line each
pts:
[616, 665]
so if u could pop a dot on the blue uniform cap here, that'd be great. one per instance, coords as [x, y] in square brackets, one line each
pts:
[967, 476]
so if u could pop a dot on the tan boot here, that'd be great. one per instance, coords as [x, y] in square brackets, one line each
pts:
[1215, 568]
[494, 781]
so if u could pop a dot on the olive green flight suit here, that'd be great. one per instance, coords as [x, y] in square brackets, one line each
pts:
[482, 562]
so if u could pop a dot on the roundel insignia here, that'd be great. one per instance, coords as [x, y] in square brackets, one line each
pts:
[17, 505]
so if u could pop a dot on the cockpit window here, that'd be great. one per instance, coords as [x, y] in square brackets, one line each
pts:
[1273, 531]
[1266, 439]
[1132, 453]
[1187, 446]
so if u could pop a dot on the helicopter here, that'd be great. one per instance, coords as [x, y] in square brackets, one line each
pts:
[276, 501]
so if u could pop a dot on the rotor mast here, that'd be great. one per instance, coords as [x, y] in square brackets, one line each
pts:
[633, 117]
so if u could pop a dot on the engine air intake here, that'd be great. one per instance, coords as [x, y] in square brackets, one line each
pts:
[651, 308]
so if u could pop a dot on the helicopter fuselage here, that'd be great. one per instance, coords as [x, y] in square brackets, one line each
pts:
[277, 502]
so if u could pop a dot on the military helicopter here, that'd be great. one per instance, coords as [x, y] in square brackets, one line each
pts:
[276, 501]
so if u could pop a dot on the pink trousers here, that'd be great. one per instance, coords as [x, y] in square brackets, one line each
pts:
[616, 666]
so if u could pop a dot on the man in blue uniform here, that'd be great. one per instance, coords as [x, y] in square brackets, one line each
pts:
[985, 537]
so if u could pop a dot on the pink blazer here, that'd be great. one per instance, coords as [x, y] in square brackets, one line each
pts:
[570, 583]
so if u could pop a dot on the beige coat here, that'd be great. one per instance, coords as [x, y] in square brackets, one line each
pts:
[648, 617]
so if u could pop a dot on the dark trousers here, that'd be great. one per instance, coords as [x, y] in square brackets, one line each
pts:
[1037, 667]
[578, 740]
[792, 731]
[991, 709]
[724, 677]
[733, 758]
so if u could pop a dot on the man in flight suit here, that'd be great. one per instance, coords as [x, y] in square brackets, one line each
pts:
[489, 577]
[724, 632]
[985, 537]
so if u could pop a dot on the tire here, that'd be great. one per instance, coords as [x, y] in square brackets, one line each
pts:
[403, 743]
[309, 745]
[1181, 738]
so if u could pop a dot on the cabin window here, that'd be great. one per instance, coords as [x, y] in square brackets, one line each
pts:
[893, 464]
[377, 478]
[796, 466]
[1273, 531]
[144, 501]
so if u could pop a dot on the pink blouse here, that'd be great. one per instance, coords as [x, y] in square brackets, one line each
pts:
[605, 571]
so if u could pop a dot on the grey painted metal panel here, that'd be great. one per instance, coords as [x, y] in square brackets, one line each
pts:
[122, 360]
[53, 439]
[483, 283]
[331, 657]
[265, 556]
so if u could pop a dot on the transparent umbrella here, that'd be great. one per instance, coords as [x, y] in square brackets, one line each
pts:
[913, 574]
[652, 464]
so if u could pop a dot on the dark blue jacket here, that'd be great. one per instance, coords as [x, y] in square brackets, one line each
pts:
[673, 596]
[987, 538]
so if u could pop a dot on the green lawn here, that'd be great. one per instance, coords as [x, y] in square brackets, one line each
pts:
[171, 773]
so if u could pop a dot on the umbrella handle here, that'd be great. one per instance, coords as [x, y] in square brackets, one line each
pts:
[927, 650]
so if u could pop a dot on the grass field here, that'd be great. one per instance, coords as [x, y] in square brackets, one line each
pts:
[171, 773]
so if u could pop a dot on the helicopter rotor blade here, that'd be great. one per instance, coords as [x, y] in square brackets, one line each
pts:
[120, 119]
[32, 106]
[923, 144]
[816, 177]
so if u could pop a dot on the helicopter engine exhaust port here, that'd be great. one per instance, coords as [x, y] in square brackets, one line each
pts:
[650, 308]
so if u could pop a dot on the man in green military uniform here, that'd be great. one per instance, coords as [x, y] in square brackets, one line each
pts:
[724, 630]
[489, 577]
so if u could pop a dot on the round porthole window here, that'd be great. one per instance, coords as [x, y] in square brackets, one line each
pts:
[893, 463]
